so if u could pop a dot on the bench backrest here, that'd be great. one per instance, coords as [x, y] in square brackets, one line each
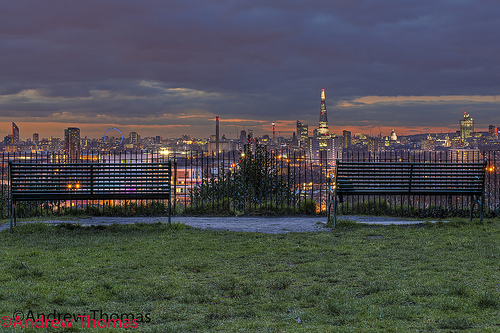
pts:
[30, 181]
[410, 178]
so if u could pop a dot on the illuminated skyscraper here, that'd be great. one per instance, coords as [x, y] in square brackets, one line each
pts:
[466, 126]
[346, 135]
[133, 137]
[72, 143]
[493, 131]
[36, 138]
[15, 134]
[250, 134]
[243, 140]
[322, 133]
[302, 133]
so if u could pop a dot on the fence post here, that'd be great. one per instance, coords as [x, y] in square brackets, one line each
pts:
[91, 179]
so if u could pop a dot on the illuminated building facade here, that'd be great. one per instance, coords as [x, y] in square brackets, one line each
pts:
[302, 133]
[323, 133]
[393, 137]
[373, 144]
[15, 134]
[428, 144]
[72, 143]
[493, 131]
[133, 137]
[466, 126]
[347, 139]
[243, 140]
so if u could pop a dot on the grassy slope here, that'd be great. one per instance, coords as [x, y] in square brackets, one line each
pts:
[368, 279]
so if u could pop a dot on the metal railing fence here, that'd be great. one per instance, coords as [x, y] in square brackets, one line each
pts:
[303, 175]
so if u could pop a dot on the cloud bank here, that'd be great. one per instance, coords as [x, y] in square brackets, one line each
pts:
[174, 63]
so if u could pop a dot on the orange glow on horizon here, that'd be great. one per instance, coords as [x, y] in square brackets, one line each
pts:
[285, 128]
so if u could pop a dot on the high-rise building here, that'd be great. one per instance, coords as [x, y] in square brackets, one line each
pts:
[373, 144]
[428, 144]
[347, 139]
[15, 134]
[302, 133]
[251, 139]
[466, 126]
[36, 138]
[133, 137]
[243, 137]
[7, 140]
[243, 140]
[456, 143]
[72, 143]
[312, 148]
[493, 131]
[322, 133]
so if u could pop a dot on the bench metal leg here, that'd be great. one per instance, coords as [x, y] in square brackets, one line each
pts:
[472, 203]
[169, 210]
[328, 206]
[335, 204]
[482, 207]
[13, 217]
[470, 217]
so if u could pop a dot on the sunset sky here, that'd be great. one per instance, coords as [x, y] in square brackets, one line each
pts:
[162, 67]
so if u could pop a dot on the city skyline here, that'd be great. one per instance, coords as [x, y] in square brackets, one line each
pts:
[465, 129]
[321, 131]
[168, 68]
[374, 131]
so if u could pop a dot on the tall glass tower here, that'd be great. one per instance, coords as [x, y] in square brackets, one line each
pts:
[15, 134]
[466, 126]
[322, 133]
[72, 143]
[302, 133]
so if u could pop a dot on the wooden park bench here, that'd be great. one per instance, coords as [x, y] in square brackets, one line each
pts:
[409, 178]
[88, 181]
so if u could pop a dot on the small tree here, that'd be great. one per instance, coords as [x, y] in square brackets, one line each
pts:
[256, 184]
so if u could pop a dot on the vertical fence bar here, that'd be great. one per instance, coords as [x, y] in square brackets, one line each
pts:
[175, 182]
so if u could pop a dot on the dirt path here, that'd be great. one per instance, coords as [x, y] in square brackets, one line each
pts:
[273, 225]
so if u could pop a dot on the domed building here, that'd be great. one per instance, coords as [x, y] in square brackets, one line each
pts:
[394, 137]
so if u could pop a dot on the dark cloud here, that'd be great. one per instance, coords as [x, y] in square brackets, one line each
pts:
[255, 59]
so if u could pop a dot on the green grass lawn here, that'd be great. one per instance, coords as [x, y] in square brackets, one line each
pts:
[429, 278]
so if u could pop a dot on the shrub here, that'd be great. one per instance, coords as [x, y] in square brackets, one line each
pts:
[256, 186]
